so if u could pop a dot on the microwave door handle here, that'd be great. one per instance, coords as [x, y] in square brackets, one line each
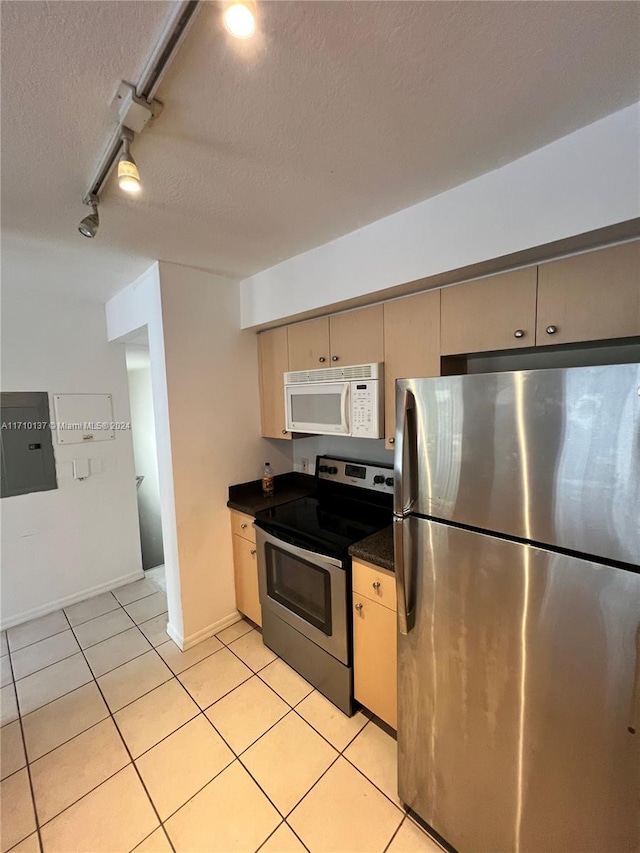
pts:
[345, 408]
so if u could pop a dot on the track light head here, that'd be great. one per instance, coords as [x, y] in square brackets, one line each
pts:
[88, 227]
[128, 174]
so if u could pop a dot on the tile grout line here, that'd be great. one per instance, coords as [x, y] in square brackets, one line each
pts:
[202, 711]
[135, 767]
[28, 769]
[63, 610]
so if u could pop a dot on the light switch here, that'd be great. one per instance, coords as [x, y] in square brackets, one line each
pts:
[81, 469]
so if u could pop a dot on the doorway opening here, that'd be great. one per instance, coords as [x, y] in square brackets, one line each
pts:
[143, 431]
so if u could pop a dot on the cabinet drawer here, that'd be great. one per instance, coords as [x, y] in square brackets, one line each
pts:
[374, 583]
[242, 525]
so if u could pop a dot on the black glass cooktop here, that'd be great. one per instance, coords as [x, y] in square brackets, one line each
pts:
[329, 524]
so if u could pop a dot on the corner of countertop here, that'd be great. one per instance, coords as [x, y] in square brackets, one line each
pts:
[376, 549]
[248, 497]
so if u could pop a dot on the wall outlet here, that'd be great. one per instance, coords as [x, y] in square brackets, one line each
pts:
[304, 462]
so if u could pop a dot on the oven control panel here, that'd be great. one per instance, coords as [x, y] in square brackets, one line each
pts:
[365, 475]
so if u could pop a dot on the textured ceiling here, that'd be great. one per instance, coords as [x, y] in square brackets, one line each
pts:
[339, 113]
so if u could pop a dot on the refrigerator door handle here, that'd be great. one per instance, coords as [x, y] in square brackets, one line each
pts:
[406, 612]
[405, 459]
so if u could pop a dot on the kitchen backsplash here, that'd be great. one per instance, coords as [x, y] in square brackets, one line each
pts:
[363, 449]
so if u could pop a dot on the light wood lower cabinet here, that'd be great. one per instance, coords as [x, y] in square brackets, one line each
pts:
[245, 566]
[375, 654]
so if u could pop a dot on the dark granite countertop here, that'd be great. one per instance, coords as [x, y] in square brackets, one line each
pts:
[376, 549]
[248, 497]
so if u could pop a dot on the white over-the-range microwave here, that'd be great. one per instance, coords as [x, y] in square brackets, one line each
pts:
[336, 401]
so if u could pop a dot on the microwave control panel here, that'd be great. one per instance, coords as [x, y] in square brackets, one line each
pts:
[366, 413]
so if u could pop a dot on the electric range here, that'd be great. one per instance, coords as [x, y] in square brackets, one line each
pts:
[304, 570]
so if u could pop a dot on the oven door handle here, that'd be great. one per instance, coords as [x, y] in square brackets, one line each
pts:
[310, 556]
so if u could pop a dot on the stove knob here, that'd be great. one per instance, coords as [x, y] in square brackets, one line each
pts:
[323, 469]
[332, 470]
[389, 481]
[378, 479]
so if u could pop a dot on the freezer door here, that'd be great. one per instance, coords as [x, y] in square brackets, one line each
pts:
[518, 703]
[552, 456]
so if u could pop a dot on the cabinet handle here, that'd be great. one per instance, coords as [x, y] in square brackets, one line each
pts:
[322, 358]
[551, 330]
[358, 607]
[376, 585]
[519, 333]
[253, 551]
[243, 526]
[392, 441]
[284, 432]
[334, 358]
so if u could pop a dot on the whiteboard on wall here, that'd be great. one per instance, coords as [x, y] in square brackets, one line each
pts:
[83, 418]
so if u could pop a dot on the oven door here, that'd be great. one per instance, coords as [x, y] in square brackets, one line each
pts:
[321, 409]
[306, 590]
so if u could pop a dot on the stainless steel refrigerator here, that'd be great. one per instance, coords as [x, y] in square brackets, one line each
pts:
[517, 549]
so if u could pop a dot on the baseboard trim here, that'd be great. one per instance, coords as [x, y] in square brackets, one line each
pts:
[52, 606]
[186, 643]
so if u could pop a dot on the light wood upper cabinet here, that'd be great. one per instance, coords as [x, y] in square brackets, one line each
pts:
[273, 362]
[356, 337]
[411, 347]
[309, 344]
[590, 297]
[495, 313]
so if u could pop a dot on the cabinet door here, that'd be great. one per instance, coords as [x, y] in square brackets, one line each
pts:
[309, 344]
[411, 347]
[495, 313]
[374, 658]
[273, 362]
[245, 567]
[357, 336]
[590, 297]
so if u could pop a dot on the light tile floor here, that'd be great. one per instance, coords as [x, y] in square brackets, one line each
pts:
[114, 740]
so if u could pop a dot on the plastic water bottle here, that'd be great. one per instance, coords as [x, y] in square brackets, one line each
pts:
[267, 481]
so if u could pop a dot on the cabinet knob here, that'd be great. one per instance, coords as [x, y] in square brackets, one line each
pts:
[284, 432]
[519, 333]
[376, 585]
[551, 330]
[358, 607]
[322, 359]
[243, 526]
[392, 441]
[253, 551]
[334, 358]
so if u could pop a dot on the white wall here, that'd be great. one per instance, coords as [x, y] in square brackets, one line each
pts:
[63, 545]
[212, 386]
[587, 180]
[206, 406]
[138, 307]
[145, 454]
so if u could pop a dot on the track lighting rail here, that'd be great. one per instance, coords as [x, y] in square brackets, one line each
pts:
[141, 95]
